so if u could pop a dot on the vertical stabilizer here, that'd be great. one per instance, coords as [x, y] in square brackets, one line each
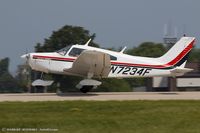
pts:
[178, 54]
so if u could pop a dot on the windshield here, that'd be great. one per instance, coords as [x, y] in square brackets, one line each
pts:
[64, 50]
[75, 52]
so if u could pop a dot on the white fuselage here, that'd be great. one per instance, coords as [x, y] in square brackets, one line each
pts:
[122, 65]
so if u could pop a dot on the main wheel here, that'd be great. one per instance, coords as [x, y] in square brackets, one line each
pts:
[86, 89]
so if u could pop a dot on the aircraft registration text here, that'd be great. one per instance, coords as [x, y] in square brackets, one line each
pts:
[130, 70]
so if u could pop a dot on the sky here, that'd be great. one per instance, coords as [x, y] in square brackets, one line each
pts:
[23, 23]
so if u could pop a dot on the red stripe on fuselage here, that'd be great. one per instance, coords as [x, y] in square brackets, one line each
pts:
[169, 64]
[54, 58]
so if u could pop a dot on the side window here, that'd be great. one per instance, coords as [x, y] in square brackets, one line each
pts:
[113, 57]
[75, 52]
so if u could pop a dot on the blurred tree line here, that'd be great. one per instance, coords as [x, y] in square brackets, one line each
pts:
[7, 82]
[69, 35]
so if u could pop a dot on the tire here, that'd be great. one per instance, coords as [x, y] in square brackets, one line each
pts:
[86, 89]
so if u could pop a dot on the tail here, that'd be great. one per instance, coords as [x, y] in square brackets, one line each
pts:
[178, 54]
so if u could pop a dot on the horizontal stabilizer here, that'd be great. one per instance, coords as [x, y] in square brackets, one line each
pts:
[179, 71]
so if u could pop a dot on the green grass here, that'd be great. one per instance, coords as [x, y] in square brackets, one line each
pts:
[103, 117]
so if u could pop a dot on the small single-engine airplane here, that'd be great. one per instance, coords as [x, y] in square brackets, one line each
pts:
[90, 62]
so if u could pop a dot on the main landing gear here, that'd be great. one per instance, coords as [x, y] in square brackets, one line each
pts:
[87, 85]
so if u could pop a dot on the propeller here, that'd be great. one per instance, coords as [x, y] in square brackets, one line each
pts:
[27, 69]
[26, 56]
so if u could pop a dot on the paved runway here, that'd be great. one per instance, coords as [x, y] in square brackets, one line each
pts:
[103, 96]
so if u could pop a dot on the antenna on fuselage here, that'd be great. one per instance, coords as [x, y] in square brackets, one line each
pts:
[122, 51]
[88, 42]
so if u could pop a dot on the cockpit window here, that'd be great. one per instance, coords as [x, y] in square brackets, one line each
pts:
[64, 51]
[113, 57]
[76, 52]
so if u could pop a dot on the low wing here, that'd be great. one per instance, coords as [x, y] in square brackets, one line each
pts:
[91, 64]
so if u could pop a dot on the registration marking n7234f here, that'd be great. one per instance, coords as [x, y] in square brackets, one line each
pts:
[129, 70]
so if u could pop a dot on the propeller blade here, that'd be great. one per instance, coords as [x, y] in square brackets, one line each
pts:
[25, 56]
